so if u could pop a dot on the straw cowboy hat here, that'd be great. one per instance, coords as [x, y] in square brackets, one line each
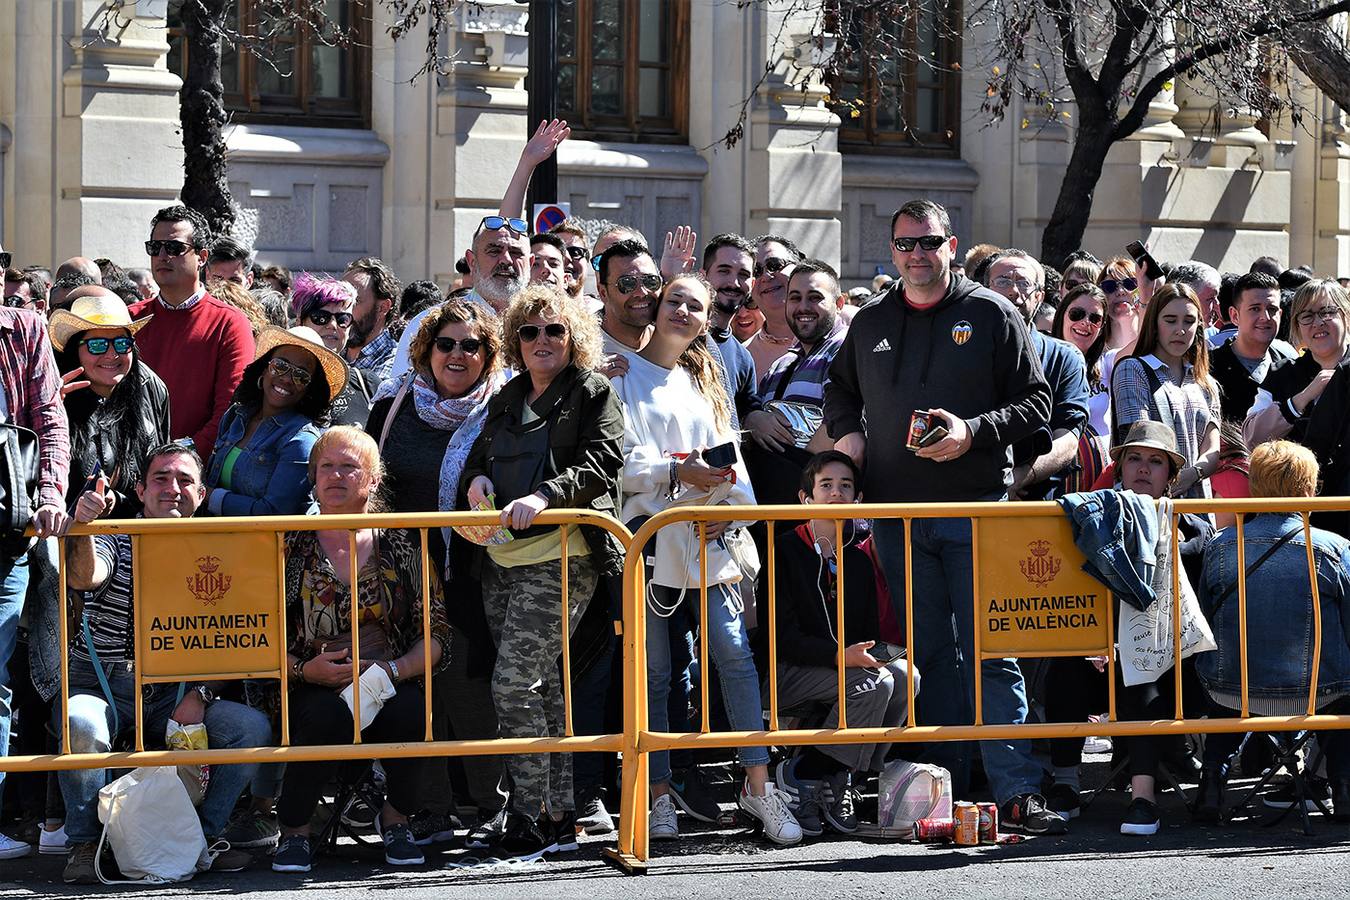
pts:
[86, 313]
[1154, 435]
[306, 338]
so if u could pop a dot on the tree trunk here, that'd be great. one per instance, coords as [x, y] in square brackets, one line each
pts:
[1064, 232]
[1321, 53]
[206, 186]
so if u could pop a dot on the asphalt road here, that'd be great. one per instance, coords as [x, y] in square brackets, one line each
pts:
[1239, 859]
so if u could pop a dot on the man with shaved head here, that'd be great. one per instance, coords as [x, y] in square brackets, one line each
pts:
[82, 264]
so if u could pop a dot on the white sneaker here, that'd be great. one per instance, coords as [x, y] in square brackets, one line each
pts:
[780, 826]
[662, 825]
[12, 849]
[51, 843]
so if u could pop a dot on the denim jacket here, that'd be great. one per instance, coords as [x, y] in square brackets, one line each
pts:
[1279, 611]
[1117, 531]
[271, 476]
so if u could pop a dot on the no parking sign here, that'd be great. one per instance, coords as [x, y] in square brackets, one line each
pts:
[549, 215]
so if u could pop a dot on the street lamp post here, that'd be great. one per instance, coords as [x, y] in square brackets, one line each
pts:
[541, 85]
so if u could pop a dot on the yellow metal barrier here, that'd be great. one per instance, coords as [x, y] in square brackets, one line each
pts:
[636, 741]
[639, 741]
[222, 529]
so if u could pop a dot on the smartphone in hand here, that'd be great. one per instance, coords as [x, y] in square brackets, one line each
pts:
[1139, 253]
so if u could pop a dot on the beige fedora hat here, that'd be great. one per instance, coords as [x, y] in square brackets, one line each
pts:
[306, 338]
[96, 311]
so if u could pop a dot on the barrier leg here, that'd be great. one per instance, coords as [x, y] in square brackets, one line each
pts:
[631, 853]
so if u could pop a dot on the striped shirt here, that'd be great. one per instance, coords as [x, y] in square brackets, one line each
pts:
[32, 387]
[805, 377]
[1194, 409]
[108, 608]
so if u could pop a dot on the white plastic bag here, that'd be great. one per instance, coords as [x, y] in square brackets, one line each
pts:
[375, 689]
[152, 828]
[908, 792]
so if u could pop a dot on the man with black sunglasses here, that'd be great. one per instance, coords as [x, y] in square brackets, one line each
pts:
[954, 354]
[775, 259]
[197, 344]
[576, 255]
[25, 290]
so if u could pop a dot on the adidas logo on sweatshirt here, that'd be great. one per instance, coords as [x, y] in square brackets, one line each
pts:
[882, 347]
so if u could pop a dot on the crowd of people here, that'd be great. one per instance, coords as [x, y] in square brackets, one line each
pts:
[729, 374]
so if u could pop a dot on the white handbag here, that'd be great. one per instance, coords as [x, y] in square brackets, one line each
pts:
[152, 828]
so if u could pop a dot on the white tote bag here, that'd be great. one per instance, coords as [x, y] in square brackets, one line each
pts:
[1145, 637]
[152, 828]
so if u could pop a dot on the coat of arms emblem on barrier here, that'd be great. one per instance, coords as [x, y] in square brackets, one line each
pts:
[1041, 567]
[209, 585]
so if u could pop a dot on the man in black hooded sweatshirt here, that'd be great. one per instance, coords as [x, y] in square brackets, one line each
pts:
[937, 342]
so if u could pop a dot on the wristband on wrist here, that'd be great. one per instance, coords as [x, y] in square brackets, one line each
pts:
[393, 670]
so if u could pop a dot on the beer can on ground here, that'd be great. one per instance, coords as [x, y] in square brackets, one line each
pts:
[967, 824]
[930, 831]
[988, 822]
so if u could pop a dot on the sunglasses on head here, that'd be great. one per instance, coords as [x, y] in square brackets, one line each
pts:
[172, 248]
[98, 346]
[773, 266]
[496, 223]
[282, 369]
[468, 345]
[576, 252]
[1078, 314]
[1111, 285]
[929, 242]
[530, 333]
[629, 283]
[323, 317]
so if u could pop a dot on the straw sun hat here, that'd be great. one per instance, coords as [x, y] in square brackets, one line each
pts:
[87, 313]
[306, 338]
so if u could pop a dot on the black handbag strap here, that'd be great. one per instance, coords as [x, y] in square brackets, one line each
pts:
[1284, 539]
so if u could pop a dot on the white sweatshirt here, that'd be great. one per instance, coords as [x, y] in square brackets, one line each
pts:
[664, 413]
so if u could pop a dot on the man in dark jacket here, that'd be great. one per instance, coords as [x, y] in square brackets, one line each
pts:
[939, 343]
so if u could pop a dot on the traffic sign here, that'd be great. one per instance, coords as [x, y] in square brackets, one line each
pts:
[549, 215]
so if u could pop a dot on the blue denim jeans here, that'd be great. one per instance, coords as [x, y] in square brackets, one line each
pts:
[730, 650]
[13, 590]
[944, 636]
[228, 725]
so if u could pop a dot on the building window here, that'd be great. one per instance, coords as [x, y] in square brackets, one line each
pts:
[623, 68]
[897, 84]
[296, 77]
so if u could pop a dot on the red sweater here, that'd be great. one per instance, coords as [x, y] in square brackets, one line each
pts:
[200, 352]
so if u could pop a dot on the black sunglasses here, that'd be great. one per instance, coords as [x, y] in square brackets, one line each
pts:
[773, 266]
[1078, 314]
[5, 259]
[530, 333]
[928, 242]
[1111, 285]
[99, 345]
[468, 345]
[629, 283]
[17, 302]
[323, 317]
[576, 252]
[495, 223]
[173, 248]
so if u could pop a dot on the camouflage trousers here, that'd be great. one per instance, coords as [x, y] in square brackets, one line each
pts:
[524, 613]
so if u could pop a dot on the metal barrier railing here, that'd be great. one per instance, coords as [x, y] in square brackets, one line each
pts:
[639, 740]
[636, 741]
[219, 531]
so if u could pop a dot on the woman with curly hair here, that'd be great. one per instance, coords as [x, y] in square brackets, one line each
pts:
[553, 438]
[259, 466]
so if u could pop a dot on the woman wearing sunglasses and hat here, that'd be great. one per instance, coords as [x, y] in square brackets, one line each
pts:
[118, 408]
[260, 463]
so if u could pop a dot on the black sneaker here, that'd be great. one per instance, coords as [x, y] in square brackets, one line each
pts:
[251, 830]
[594, 818]
[230, 859]
[294, 854]
[432, 827]
[564, 832]
[1028, 814]
[1141, 817]
[525, 839]
[399, 847]
[365, 804]
[1208, 806]
[1063, 799]
[488, 832]
[693, 794]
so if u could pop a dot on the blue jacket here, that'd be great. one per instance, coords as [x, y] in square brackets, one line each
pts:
[1279, 611]
[1117, 531]
[271, 476]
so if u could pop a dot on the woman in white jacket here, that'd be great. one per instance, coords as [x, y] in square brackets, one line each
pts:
[675, 410]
